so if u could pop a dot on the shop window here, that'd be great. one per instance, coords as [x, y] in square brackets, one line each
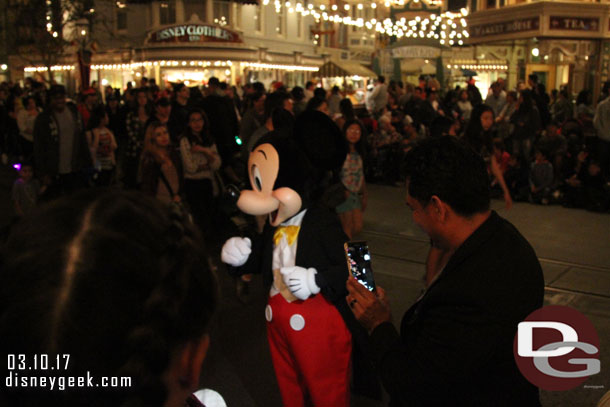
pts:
[342, 35]
[121, 20]
[237, 19]
[222, 11]
[194, 7]
[502, 3]
[473, 6]
[299, 25]
[280, 24]
[258, 19]
[167, 12]
[490, 4]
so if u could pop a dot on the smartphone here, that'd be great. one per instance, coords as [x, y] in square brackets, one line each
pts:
[359, 263]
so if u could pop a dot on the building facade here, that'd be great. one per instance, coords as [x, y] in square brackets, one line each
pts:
[186, 40]
[564, 43]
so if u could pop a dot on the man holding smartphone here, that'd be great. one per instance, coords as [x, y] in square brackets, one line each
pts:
[455, 345]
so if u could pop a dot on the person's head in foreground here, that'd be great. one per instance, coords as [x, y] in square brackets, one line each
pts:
[446, 182]
[118, 282]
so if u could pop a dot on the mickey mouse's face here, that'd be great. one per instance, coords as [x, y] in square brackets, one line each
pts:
[281, 203]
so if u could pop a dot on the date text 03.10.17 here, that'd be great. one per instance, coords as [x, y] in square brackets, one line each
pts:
[40, 361]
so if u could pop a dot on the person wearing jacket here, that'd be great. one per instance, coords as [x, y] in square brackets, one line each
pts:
[61, 152]
[455, 344]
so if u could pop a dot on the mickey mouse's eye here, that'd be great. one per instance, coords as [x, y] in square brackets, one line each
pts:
[256, 176]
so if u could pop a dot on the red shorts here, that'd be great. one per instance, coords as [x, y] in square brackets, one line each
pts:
[311, 350]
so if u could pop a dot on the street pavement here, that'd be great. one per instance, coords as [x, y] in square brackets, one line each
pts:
[573, 247]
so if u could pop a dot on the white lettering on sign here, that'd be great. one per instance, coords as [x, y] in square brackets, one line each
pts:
[192, 32]
[416, 52]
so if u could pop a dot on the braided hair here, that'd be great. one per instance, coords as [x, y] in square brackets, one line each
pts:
[114, 279]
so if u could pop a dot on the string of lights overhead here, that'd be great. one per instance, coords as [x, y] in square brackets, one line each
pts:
[449, 28]
[174, 63]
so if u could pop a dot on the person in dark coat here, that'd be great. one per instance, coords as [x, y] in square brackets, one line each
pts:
[61, 152]
[455, 345]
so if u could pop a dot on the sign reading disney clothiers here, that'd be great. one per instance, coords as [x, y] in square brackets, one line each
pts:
[193, 33]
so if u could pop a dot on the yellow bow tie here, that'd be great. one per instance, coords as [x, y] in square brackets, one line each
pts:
[291, 233]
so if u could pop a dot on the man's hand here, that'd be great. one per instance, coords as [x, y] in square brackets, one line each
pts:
[370, 309]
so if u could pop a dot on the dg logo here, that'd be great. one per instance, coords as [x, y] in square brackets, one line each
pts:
[557, 348]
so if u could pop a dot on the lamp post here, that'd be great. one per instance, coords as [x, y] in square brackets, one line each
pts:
[84, 54]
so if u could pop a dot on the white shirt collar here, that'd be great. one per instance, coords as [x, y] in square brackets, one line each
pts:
[296, 220]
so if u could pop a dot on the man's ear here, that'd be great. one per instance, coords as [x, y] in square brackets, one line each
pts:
[191, 360]
[438, 209]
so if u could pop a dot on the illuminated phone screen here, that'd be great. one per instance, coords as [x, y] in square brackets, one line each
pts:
[359, 263]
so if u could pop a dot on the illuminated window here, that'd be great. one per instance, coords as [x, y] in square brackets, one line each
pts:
[280, 29]
[258, 19]
[222, 11]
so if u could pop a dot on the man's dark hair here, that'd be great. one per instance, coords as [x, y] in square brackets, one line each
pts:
[297, 93]
[450, 170]
[275, 100]
[57, 90]
[258, 87]
[213, 81]
[319, 93]
[308, 84]
[381, 79]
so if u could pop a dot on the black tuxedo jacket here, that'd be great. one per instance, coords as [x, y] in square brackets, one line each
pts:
[319, 245]
[455, 347]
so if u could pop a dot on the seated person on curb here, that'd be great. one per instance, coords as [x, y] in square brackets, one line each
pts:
[107, 284]
[455, 345]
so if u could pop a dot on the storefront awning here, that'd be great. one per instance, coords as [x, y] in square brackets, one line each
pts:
[345, 68]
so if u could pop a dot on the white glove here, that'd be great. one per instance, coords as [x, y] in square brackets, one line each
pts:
[300, 281]
[235, 251]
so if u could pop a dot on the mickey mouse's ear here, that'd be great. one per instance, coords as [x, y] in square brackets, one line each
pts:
[321, 140]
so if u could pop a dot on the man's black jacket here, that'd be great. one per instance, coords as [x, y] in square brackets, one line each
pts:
[456, 343]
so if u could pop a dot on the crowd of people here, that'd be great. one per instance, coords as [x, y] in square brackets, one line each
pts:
[540, 148]
[185, 143]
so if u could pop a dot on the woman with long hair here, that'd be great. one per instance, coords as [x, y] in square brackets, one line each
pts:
[160, 166]
[200, 160]
[352, 178]
[135, 123]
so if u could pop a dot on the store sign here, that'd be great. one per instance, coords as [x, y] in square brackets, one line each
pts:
[416, 52]
[574, 23]
[193, 33]
[507, 27]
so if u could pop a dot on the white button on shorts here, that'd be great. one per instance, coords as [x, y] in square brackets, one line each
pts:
[297, 322]
[268, 313]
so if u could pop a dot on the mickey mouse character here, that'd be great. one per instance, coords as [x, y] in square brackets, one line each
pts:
[301, 256]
